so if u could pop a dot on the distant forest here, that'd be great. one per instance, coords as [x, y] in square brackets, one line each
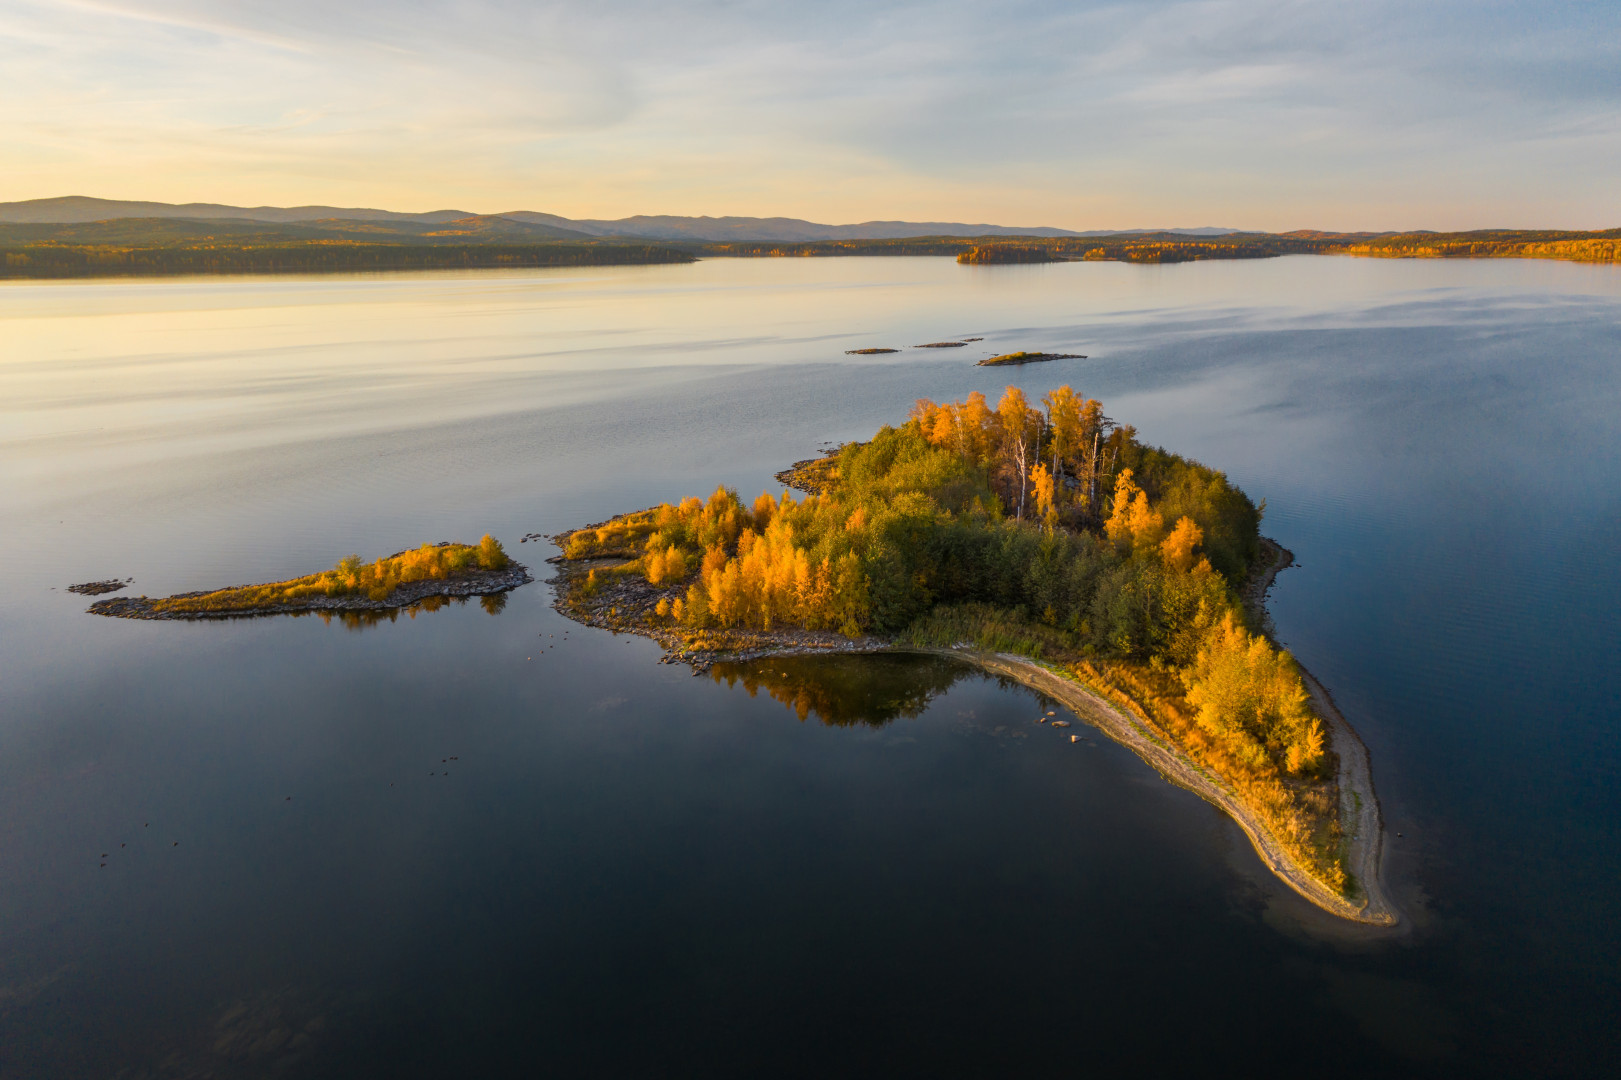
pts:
[305, 257]
[1168, 247]
[157, 246]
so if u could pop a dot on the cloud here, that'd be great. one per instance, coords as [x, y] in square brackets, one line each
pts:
[1266, 113]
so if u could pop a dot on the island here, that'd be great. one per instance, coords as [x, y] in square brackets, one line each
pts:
[1043, 544]
[1004, 254]
[424, 577]
[1014, 359]
[97, 588]
[867, 352]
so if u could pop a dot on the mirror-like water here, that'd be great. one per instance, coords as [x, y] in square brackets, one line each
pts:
[628, 869]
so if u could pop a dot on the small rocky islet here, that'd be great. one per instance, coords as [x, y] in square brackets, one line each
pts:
[1015, 359]
[99, 588]
[442, 571]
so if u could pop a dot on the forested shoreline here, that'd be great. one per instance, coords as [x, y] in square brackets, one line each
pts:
[1170, 247]
[313, 257]
[138, 247]
[1051, 532]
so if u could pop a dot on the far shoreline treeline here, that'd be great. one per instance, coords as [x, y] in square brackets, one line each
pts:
[1170, 247]
[314, 257]
[126, 247]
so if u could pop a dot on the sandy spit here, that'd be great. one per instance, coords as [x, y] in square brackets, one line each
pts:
[1359, 807]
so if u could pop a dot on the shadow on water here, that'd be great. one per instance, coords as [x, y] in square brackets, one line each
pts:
[866, 689]
[845, 691]
[494, 604]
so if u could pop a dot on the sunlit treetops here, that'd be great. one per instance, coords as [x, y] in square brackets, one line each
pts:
[351, 577]
[1046, 529]
[1055, 513]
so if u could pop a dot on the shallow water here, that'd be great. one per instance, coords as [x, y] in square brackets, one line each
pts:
[630, 869]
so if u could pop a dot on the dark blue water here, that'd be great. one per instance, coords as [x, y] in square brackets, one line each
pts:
[632, 870]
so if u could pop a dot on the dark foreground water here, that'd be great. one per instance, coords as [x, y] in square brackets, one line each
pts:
[485, 844]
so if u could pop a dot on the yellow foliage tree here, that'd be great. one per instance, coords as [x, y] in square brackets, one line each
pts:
[1043, 487]
[1249, 696]
[1132, 524]
[1177, 549]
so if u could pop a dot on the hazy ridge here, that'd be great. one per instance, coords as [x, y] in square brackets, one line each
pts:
[80, 209]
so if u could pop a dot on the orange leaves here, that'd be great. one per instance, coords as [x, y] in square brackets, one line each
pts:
[1177, 549]
[1250, 694]
[1042, 487]
[969, 428]
[1307, 750]
[771, 581]
[714, 559]
[765, 508]
[352, 576]
[491, 556]
[1014, 412]
[1133, 523]
[662, 565]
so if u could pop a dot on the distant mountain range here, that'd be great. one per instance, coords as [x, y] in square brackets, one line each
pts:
[518, 226]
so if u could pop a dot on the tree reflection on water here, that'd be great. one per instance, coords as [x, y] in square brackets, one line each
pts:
[845, 690]
[494, 604]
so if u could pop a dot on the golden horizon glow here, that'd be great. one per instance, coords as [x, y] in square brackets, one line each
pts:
[1253, 114]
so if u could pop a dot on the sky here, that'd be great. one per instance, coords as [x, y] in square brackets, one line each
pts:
[1259, 114]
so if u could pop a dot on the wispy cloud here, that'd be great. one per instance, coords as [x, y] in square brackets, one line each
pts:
[1264, 113]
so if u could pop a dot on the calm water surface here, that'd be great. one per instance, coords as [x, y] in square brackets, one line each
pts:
[631, 870]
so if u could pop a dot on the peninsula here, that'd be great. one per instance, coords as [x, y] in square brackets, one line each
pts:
[1044, 544]
[433, 572]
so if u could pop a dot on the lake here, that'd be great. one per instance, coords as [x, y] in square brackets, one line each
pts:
[496, 843]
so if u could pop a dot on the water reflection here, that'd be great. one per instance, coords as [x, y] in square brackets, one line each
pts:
[843, 691]
[679, 862]
[493, 604]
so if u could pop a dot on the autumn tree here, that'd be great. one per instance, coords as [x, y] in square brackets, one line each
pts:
[1042, 487]
[1133, 524]
[1249, 695]
[1020, 431]
[1177, 548]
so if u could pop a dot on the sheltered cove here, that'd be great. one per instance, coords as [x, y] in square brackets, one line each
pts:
[1312, 815]
[627, 606]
